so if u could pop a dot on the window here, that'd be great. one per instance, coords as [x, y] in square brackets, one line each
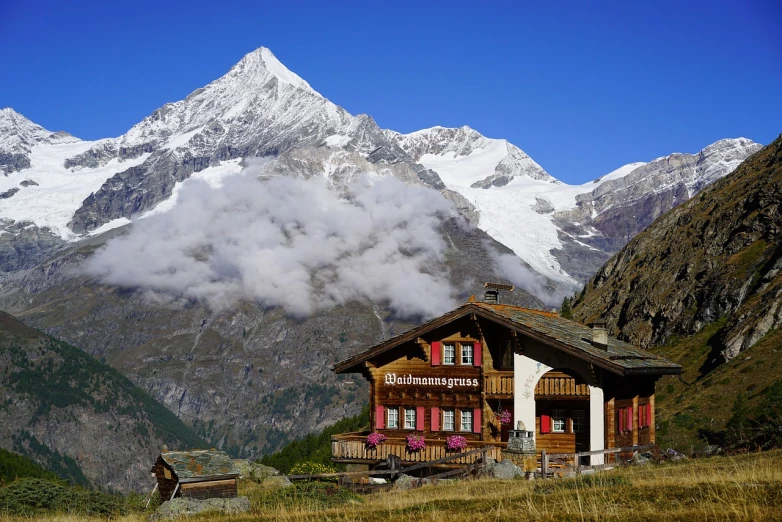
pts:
[409, 418]
[448, 420]
[558, 421]
[579, 421]
[645, 415]
[506, 354]
[467, 354]
[449, 354]
[466, 420]
[393, 418]
[625, 421]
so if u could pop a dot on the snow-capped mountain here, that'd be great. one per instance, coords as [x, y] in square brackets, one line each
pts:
[18, 136]
[565, 232]
[464, 153]
[68, 188]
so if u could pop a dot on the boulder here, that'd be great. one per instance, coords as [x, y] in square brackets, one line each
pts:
[641, 458]
[405, 482]
[254, 470]
[278, 481]
[260, 473]
[505, 469]
[185, 507]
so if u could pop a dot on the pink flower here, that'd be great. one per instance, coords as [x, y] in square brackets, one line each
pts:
[415, 442]
[374, 439]
[503, 417]
[455, 443]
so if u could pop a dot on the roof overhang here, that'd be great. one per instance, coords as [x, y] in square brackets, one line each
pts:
[355, 364]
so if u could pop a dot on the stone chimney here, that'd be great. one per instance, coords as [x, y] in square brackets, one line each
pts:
[492, 294]
[600, 334]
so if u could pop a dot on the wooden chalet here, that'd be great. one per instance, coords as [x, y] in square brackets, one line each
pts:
[571, 386]
[195, 474]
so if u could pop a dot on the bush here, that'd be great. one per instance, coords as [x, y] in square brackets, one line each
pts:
[311, 468]
[33, 496]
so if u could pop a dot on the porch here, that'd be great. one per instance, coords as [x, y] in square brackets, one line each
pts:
[352, 448]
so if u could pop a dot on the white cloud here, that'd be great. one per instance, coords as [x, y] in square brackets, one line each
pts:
[289, 242]
[515, 271]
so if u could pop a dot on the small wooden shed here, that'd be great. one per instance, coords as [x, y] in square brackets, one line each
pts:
[196, 474]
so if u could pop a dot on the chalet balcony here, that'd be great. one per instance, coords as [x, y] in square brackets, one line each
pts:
[498, 385]
[352, 448]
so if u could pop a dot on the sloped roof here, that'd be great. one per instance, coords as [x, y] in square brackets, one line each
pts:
[199, 464]
[547, 327]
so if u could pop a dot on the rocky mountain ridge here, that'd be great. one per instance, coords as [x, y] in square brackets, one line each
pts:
[716, 257]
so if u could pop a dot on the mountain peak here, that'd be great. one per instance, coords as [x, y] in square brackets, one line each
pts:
[261, 61]
[18, 133]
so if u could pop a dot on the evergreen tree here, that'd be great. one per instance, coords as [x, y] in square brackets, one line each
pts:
[566, 309]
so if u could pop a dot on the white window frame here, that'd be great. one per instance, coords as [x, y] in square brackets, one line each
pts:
[466, 415]
[449, 415]
[410, 416]
[558, 421]
[393, 419]
[467, 354]
[578, 419]
[449, 347]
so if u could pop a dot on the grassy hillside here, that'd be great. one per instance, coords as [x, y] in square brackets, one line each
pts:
[76, 415]
[704, 402]
[744, 488]
[13, 466]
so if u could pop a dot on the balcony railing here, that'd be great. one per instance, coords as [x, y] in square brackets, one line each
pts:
[498, 384]
[352, 447]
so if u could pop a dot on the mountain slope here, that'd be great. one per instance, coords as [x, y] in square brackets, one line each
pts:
[73, 414]
[718, 256]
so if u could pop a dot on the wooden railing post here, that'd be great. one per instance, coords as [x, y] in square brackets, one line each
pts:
[543, 464]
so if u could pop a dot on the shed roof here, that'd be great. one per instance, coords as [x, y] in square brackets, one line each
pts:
[547, 327]
[200, 464]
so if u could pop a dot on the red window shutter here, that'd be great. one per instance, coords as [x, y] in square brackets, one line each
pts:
[436, 353]
[476, 420]
[630, 418]
[380, 417]
[435, 419]
[476, 354]
[545, 424]
[419, 418]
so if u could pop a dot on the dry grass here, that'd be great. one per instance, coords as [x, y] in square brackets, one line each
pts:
[747, 487]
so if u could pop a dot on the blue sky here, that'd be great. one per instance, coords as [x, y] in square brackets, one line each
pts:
[582, 87]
